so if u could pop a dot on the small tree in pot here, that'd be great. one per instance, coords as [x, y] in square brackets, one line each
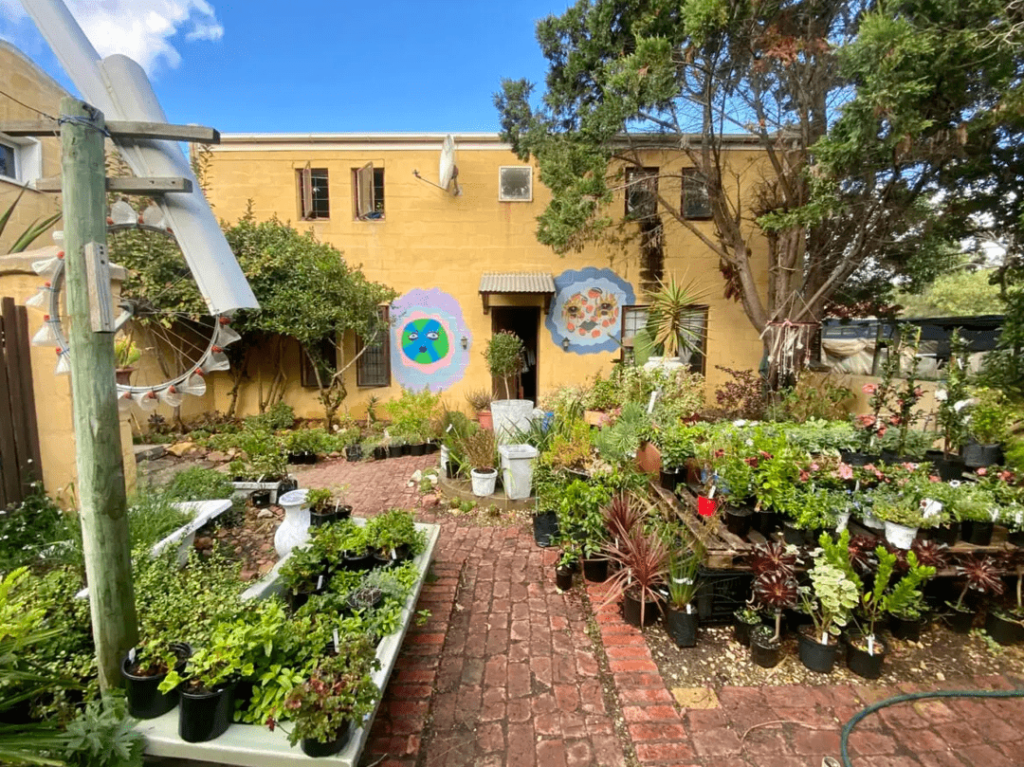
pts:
[767, 558]
[777, 590]
[504, 355]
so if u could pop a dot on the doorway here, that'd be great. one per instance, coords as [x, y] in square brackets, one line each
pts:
[524, 321]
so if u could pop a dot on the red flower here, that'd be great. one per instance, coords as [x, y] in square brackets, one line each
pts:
[882, 430]
[866, 420]
[804, 476]
[271, 723]
[933, 478]
[869, 388]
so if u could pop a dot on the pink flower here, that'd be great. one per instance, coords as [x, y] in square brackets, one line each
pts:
[981, 472]
[845, 471]
[882, 431]
[815, 467]
[804, 476]
[933, 478]
[869, 388]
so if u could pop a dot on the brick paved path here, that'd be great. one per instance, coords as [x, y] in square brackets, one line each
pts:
[506, 674]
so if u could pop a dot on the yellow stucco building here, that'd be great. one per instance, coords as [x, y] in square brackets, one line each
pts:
[466, 265]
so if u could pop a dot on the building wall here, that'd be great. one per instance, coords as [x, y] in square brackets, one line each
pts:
[30, 85]
[435, 242]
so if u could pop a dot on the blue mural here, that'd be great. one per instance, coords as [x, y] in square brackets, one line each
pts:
[427, 329]
[587, 309]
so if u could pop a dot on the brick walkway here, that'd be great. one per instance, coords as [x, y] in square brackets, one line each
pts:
[507, 674]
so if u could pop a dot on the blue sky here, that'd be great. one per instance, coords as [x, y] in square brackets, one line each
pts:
[313, 66]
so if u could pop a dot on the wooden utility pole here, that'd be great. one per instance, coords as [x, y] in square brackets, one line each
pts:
[101, 490]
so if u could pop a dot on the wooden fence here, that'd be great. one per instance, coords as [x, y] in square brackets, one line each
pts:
[20, 463]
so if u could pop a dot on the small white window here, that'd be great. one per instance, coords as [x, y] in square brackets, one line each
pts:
[515, 183]
[21, 159]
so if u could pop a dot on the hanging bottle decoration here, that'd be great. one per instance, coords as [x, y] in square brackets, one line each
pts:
[41, 300]
[124, 401]
[215, 360]
[226, 334]
[46, 267]
[47, 334]
[171, 396]
[121, 213]
[63, 362]
[196, 385]
[146, 400]
[153, 216]
[58, 237]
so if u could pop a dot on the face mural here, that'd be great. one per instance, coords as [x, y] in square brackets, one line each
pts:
[426, 340]
[587, 309]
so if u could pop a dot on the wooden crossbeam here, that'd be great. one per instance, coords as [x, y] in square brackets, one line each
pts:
[119, 129]
[127, 185]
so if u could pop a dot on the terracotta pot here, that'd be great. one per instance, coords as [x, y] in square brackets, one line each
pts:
[123, 375]
[486, 420]
[648, 458]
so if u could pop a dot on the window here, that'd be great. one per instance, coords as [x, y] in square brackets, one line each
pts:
[641, 192]
[21, 160]
[515, 183]
[695, 204]
[314, 193]
[368, 183]
[373, 368]
[328, 354]
[695, 335]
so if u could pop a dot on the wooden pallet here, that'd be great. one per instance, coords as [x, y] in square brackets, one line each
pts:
[727, 551]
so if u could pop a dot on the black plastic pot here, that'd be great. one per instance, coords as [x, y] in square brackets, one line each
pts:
[357, 561]
[793, 536]
[909, 630]
[631, 611]
[856, 458]
[354, 453]
[316, 519]
[563, 578]
[432, 447]
[380, 453]
[1016, 538]
[420, 449]
[406, 449]
[682, 626]
[316, 749]
[764, 652]
[303, 457]
[817, 656]
[260, 499]
[741, 630]
[295, 600]
[145, 701]
[738, 520]
[205, 716]
[948, 467]
[977, 456]
[765, 522]
[669, 477]
[864, 664]
[947, 534]
[1004, 630]
[960, 621]
[287, 485]
[451, 470]
[595, 570]
[978, 533]
[545, 527]
[394, 451]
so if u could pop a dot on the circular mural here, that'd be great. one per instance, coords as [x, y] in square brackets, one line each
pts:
[426, 343]
[587, 309]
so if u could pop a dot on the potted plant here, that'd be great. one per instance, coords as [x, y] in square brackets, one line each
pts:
[621, 516]
[669, 309]
[144, 668]
[339, 693]
[777, 590]
[975, 507]
[953, 399]
[303, 574]
[504, 355]
[901, 514]
[745, 619]
[988, 419]
[480, 402]
[324, 508]
[126, 354]
[642, 558]
[681, 619]
[770, 557]
[907, 614]
[395, 536]
[567, 563]
[980, 574]
[828, 601]
[1006, 625]
[305, 445]
[479, 449]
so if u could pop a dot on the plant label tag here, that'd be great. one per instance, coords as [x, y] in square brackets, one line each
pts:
[450, 427]
[689, 608]
[995, 512]
[856, 486]
[871, 645]
[930, 507]
[651, 402]
[131, 655]
[706, 506]
[336, 641]
[320, 583]
[824, 637]
[712, 491]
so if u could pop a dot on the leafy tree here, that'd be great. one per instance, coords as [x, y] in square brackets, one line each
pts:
[956, 294]
[858, 109]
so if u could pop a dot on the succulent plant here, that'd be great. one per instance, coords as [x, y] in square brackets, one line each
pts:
[772, 557]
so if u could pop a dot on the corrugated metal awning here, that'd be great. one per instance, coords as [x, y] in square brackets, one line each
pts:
[517, 282]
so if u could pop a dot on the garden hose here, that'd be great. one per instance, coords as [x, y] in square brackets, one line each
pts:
[848, 727]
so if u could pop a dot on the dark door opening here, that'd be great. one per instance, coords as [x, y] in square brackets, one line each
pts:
[524, 321]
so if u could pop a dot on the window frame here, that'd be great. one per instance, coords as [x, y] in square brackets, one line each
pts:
[626, 349]
[693, 173]
[626, 342]
[365, 182]
[634, 176]
[501, 194]
[385, 344]
[307, 199]
[28, 159]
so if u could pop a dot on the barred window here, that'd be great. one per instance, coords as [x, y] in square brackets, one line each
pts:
[373, 368]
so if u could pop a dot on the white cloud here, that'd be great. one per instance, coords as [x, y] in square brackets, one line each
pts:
[144, 30]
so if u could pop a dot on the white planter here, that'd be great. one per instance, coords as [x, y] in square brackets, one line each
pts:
[517, 470]
[842, 520]
[870, 520]
[294, 529]
[445, 453]
[665, 363]
[510, 417]
[484, 481]
[900, 536]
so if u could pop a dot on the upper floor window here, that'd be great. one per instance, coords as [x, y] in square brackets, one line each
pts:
[641, 192]
[696, 203]
[368, 183]
[515, 183]
[314, 193]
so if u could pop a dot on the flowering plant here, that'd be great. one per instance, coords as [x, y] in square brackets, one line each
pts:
[954, 397]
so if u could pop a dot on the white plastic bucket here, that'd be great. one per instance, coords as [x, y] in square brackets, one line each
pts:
[510, 416]
[517, 470]
[483, 481]
[900, 536]
[870, 520]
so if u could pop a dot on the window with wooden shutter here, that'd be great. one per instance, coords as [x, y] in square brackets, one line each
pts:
[364, 190]
[314, 193]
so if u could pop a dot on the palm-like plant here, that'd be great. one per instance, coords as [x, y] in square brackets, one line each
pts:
[32, 231]
[644, 562]
[669, 307]
[622, 515]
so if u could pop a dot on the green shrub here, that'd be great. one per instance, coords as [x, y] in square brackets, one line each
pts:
[280, 416]
[28, 529]
[199, 484]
